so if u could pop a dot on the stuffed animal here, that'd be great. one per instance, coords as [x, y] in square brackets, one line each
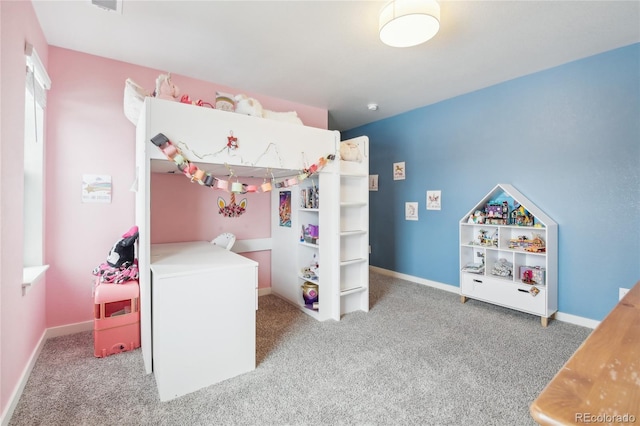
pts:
[349, 151]
[251, 106]
[123, 250]
[121, 265]
[288, 117]
[165, 89]
[248, 106]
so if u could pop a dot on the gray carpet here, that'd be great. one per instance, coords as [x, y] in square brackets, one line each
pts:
[419, 357]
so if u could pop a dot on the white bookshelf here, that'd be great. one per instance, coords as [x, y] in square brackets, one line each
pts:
[354, 231]
[496, 253]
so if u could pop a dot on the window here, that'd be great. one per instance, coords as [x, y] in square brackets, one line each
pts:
[37, 83]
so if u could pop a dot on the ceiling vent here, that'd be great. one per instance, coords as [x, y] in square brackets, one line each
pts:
[109, 5]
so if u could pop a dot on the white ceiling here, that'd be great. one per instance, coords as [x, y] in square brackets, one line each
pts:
[327, 54]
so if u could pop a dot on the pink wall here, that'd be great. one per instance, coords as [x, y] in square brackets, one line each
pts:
[89, 134]
[22, 317]
[86, 133]
[185, 211]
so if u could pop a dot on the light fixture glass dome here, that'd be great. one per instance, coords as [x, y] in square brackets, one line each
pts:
[405, 23]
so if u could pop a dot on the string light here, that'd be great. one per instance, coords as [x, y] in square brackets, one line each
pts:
[202, 177]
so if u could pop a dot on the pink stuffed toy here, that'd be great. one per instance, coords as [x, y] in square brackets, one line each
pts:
[165, 89]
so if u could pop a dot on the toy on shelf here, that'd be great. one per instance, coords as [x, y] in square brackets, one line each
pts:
[309, 198]
[502, 268]
[474, 268]
[311, 272]
[537, 245]
[497, 213]
[308, 273]
[534, 245]
[532, 275]
[311, 234]
[310, 294]
[485, 240]
[521, 217]
[477, 217]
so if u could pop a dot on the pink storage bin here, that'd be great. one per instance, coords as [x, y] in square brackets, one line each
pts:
[116, 324]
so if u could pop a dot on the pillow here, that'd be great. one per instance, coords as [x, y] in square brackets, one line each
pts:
[134, 95]
[225, 102]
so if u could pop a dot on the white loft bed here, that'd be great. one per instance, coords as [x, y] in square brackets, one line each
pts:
[265, 148]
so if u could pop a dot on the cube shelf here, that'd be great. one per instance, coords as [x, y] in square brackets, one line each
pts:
[509, 254]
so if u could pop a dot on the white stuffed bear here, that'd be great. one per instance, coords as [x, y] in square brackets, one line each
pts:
[289, 116]
[251, 106]
[248, 106]
[349, 151]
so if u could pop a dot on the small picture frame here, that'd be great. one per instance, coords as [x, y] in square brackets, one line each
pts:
[284, 209]
[411, 211]
[96, 188]
[399, 171]
[373, 182]
[433, 200]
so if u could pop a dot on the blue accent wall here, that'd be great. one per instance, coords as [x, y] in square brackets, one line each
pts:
[568, 138]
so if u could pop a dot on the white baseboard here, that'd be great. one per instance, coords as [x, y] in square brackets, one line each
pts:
[47, 334]
[560, 316]
[264, 291]
[574, 319]
[417, 280]
[64, 330]
[24, 377]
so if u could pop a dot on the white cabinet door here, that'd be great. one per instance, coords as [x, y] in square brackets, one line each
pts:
[504, 293]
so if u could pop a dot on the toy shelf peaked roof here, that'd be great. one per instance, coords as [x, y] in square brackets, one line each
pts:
[510, 191]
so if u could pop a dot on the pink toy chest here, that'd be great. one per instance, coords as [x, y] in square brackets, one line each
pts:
[116, 324]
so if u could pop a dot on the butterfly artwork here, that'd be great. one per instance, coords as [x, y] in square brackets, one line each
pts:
[433, 200]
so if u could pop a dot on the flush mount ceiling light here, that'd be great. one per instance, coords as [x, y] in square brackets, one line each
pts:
[405, 23]
[109, 5]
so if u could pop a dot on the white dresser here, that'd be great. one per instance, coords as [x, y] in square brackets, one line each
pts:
[204, 302]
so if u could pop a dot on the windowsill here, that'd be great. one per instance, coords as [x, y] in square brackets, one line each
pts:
[32, 274]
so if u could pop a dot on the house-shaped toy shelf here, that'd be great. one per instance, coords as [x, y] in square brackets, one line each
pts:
[508, 254]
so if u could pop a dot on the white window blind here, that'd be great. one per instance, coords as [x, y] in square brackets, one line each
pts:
[36, 86]
[38, 81]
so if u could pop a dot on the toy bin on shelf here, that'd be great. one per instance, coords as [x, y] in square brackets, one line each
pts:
[116, 324]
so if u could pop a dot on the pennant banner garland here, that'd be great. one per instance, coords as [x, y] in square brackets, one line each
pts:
[191, 171]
